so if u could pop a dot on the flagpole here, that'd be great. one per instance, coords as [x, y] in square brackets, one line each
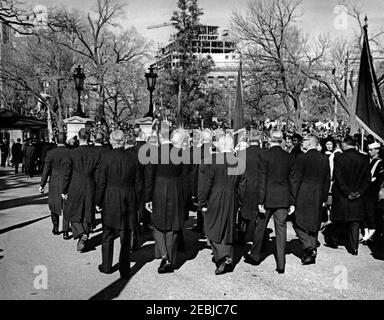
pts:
[362, 139]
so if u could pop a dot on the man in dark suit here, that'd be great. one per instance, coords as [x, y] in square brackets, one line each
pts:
[165, 199]
[220, 198]
[80, 170]
[311, 186]
[17, 155]
[352, 179]
[143, 215]
[120, 183]
[275, 199]
[201, 155]
[53, 168]
[249, 210]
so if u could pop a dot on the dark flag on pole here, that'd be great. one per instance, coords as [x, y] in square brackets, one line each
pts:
[238, 116]
[367, 99]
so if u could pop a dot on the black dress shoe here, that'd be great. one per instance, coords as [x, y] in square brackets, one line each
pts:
[165, 267]
[101, 269]
[248, 259]
[81, 242]
[224, 267]
[352, 251]
[281, 271]
[55, 231]
[66, 235]
[309, 257]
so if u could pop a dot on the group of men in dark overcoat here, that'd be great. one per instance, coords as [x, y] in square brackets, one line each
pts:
[254, 183]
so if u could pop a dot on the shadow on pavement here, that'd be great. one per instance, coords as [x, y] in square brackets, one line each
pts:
[377, 249]
[21, 225]
[145, 254]
[18, 202]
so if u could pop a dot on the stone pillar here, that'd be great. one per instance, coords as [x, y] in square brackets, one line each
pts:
[74, 124]
[145, 125]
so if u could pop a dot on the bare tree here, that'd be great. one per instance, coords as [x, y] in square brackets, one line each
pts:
[89, 38]
[270, 41]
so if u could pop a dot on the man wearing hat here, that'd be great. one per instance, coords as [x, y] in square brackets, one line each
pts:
[117, 195]
[372, 216]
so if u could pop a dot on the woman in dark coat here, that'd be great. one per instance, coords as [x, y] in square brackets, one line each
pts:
[220, 197]
[165, 197]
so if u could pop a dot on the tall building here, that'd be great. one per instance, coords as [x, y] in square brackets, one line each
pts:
[210, 43]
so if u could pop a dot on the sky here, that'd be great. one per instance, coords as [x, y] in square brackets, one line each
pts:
[318, 15]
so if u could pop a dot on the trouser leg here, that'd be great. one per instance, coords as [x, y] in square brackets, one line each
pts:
[160, 242]
[200, 220]
[65, 225]
[308, 239]
[280, 221]
[353, 237]
[172, 242]
[370, 212]
[80, 228]
[107, 248]
[16, 167]
[259, 233]
[124, 257]
[221, 250]
[55, 220]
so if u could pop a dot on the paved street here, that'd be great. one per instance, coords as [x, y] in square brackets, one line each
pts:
[26, 241]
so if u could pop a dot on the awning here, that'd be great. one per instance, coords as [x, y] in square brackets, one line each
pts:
[12, 120]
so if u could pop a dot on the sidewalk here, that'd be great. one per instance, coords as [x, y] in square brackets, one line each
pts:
[26, 242]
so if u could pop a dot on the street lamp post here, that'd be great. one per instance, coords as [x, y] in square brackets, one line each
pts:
[151, 83]
[79, 77]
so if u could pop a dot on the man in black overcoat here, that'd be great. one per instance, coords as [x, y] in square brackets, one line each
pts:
[30, 156]
[275, 198]
[144, 217]
[249, 209]
[220, 198]
[311, 186]
[80, 170]
[117, 193]
[164, 196]
[17, 154]
[201, 155]
[54, 169]
[352, 179]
